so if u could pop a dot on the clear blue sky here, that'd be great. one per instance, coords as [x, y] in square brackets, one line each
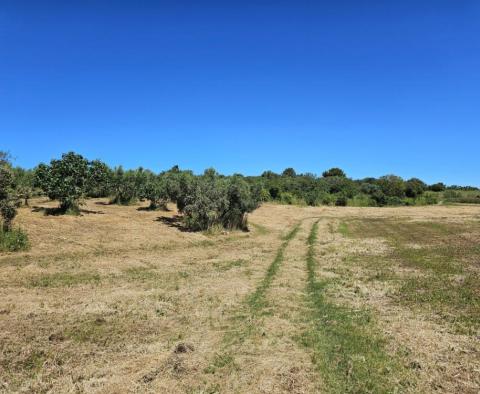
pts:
[374, 87]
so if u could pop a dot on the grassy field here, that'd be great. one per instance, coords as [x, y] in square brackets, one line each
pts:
[311, 300]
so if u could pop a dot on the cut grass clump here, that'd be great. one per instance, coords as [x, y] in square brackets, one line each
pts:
[13, 240]
[348, 351]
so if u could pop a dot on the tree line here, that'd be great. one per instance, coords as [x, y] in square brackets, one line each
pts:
[208, 200]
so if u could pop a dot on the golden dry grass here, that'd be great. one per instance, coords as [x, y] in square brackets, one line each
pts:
[118, 301]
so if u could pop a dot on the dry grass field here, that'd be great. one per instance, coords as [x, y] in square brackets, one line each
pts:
[311, 300]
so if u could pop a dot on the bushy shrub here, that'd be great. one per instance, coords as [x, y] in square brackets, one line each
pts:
[126, 187]
[341, 200]
[414, 187]
[217, 201]
[428, 198]
[264, 195]
[451, 194]
[437, 187]
[287, 198]
[13, 240]
[362, 200]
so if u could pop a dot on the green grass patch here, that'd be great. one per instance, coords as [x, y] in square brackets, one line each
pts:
[221, 361]
[259, 229]
[348, 350]
[343, 229]
[14, 240]
[441, 282]
[229, 264]
[454, 299]
[64, 279]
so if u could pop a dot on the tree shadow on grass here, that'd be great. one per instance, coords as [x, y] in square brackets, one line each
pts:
[153, 209]
[57, 211]
[175, 222]
[103, 203]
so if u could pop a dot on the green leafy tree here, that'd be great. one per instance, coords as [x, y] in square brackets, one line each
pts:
[8, 198]
[100, 179]
[414, 187]
[155, 190]
[64, 180]
[392, 186]
[437, 187]
[335, 171]
[289, 172]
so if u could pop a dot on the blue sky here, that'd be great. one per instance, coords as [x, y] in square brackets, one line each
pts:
[374, 87]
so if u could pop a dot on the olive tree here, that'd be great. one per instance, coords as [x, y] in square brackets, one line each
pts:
[216, 201]
[8, 210]
[155, 190]
[65, 180]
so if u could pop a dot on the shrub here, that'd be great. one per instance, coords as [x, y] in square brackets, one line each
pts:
[216, 201]
[341, 201]
[451, 194]
[206, 203]
[437, 187]
[264, 195]
[13, 240]
[125, 187]
[287, 198]
[414, 187]
[362, 200]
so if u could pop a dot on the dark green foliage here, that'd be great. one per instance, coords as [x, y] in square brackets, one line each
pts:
[100, 179]
[215, 201]
[8, 200]
[334, 172]
[437, 187]
[414, 187]
[392, 186]
[290, 172]
[155, 190]
[13, 240]
[65, 180]
[128, 185]
[341, 201]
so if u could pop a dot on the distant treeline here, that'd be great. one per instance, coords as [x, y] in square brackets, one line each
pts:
[211, 199]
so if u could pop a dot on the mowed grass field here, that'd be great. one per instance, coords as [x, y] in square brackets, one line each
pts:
[311, 300]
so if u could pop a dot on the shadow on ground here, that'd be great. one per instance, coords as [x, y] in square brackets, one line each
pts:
[175, 222]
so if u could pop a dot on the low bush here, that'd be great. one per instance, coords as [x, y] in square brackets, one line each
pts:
[13, 240]
[215, 201]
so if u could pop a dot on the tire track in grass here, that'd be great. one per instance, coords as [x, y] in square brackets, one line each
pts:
[230, 367]
[348, 351]
[257, 301]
